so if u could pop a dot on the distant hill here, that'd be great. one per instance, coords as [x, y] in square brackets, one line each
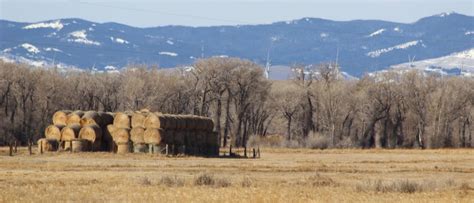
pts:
[361, 45]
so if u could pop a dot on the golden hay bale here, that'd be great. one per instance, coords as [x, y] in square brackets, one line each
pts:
[156, 120]
[90, 118]
[47, 145]
[111, 129]
[137, 135]
[122, 120]
[121, 135]
[53, 132]
[74, 117]
[138, 119]
[60, 117]
[80, 145]
[123, 148]
[145, 110]
[93, 133]
[70, 132]
[153, 136]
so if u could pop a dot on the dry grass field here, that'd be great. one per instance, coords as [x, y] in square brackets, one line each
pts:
[280, 175]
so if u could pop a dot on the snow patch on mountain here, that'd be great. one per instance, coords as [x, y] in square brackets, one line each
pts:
[460, 63]
[378, 32]
[119, 40]
[324, 35]
[406, 45]
[168, 53]
[54, 25]
[80, 36]
[52, 49]
[445, 14]
[469, 33]
[169, 42]
[30, 48]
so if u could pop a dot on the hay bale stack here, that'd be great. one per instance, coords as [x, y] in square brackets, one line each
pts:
[60, 117]
[91, 118]
[47, 145]
[93, 133]
[70, 132]
[137, 135]
[74, 117]
[80, 145]
[53, 132]
[121, 136]
[122, 120]
[106, 118]
[138, 119]
[153, 136]
[155, 120]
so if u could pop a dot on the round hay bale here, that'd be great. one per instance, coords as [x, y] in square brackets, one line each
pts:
[153, 136]
[172, 122]
[91, 118]
[137, 135]
[138, 119]
[47, 145]
[190, 122]
[122, 120]
[210, 124]
[93, 133]
[74, 117]
[121, 135]
[180, 122]
[179, 138]
[111, 129]
[156, 120]
[212, 138]
[139, 148]
[145, 110]
[53, 132]
[123, 148]
[80, 145]
[60, 117]
[70, 132]
[106, 118]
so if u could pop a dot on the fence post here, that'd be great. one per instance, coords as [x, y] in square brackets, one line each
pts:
[29, 147]
[230, 150]
[11, 149]
[41, 147]
[258, 151]
[16, 145]
[254, 154]
[166, 149]
[245, 151]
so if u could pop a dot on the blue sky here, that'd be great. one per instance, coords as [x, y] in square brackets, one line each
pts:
[148, 13]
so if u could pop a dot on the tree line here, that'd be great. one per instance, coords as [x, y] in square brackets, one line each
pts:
[316, 108]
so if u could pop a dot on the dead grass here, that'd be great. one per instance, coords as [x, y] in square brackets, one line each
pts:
[281, 175]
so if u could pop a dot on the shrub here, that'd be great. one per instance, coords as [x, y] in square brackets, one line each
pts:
[204, 180]
[144, 181]
[246, 182]
[173, 181]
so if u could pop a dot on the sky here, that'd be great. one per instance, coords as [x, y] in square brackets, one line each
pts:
[149, 13]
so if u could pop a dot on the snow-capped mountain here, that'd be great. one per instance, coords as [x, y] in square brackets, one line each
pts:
[459, 64]
[361, 46]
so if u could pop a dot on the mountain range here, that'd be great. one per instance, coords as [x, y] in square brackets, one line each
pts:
[359, 46]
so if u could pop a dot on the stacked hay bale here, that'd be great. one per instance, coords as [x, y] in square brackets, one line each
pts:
[120, 131]
[138, 131]
[183, 134]
[85, 129]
